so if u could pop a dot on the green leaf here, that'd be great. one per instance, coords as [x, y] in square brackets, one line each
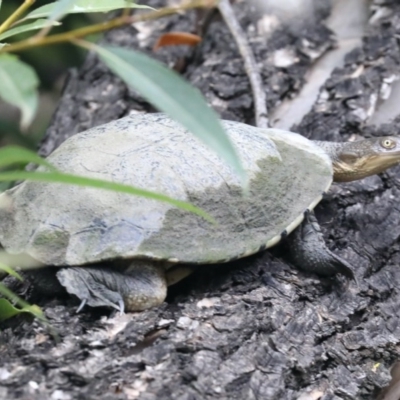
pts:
[86, 6]
[40, 23]
[60, 8]
[166, 90]
[10, 155]
[18, 86]
[59, 177]
[13, 154]
[7, 310]
[10, 271]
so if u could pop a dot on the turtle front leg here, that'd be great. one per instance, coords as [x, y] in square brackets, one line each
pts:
[308, 251]
[142, 285]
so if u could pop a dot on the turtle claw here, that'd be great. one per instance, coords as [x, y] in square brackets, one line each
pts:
[142, 286]
[83, 303]
[93, 286]
[121, 307]
[308, 251]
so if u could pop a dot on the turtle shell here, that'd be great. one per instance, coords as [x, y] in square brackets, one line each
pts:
[60, 224]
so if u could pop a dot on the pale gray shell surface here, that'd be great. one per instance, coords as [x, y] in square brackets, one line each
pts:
[61, 224]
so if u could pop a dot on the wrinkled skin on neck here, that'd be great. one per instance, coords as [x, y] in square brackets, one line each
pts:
[356, 160]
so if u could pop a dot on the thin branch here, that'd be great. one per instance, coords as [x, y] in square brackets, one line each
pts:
[260, 99]
[15, 15]
[105, 26]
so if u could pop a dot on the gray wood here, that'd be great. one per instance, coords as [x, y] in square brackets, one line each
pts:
[257, 329]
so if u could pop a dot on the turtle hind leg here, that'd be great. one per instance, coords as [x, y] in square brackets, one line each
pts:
[309, 252]
[142, 285]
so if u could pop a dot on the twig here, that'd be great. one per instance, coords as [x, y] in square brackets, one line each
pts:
[105, 26]
[15, 15]
[260, 99]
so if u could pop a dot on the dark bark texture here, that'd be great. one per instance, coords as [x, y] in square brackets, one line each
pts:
[257, 328]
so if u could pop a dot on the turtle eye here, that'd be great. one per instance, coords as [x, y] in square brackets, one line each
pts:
[388, 143]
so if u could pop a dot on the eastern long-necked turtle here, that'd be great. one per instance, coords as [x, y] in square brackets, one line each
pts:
[77, 228]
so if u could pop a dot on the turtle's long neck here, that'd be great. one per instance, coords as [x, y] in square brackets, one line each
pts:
[333, 149]
[357, 160]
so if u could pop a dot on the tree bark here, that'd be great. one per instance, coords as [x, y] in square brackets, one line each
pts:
[256, 328]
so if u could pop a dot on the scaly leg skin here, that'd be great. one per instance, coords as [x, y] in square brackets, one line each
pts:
[308, 251]
[142, 285]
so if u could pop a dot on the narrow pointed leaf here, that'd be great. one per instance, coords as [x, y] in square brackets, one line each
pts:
[7, 310]
[60, 8]
[10, 155]
[39, 24]
[10, 271]
[18, 86]
[166, 90]
[86, 6]
[59, 177]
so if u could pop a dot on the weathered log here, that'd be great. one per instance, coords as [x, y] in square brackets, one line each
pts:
[257, 328]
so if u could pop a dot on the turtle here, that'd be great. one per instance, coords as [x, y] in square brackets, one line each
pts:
[122, 251]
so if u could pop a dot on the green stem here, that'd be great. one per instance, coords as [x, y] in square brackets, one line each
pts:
[15, 15]
[36, 41]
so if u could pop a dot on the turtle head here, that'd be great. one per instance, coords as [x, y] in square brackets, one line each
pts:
[357, 160]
